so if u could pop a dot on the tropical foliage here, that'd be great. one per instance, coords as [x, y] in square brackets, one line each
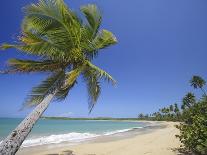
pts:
[193, 129]
[64, 46]
[171, 113]
[193, 117]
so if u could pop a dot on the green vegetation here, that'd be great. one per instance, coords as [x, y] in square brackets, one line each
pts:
[198, 82]
[64, 45]
[193, 117]
[171, 113]
[193, 129]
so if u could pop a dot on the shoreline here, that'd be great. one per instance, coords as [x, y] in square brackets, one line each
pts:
[112, 144]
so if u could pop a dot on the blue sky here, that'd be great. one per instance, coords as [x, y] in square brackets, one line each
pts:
[161, 45]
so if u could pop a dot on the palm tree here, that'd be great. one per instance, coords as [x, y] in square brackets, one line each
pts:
[157, 115]
[176, 109]
[171, 108]
[64, 46]
[146, 116]
[141, 115]
[171, 111]
[165, 110]
[188, 101]
[198, 82]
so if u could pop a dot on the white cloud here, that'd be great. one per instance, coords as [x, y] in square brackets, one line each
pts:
[66, 114]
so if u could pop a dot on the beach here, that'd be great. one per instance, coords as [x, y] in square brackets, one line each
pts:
[103, 77]
[160, 140]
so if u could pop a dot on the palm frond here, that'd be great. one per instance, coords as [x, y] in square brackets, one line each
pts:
[53, 14]
[34, 45]
[100, 73]
[62, 41]
[92, 74]
[27, 66]
[93, 16]
[49, 30]
[63, 93]
[52, 11]
[54, 33]
[72, 76]
[93, 87]
[103, 40]
[6, 46]
[70, 80]
[49, 85]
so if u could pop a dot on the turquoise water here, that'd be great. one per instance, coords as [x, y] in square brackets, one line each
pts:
[56, 131]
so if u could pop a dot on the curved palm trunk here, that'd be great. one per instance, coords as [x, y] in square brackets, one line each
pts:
[12, 143]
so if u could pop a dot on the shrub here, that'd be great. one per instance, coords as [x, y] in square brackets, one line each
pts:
[193, 130]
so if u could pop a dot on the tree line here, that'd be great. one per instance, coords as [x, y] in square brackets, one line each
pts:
[192, 115]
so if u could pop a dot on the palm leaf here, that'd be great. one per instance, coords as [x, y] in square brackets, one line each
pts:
[62, 93]
[103, 40]
[27, 66]
[53, 10]
[93, 87]
[62, 41]
[100, 73]
[50, 30]
[49, 85]
[93, 16]
[35, 45]
[70, 80]
[55, 14]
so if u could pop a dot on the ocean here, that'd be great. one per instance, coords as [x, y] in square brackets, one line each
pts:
[48, 131]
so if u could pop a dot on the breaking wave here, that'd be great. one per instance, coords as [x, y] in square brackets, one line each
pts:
[69, 137]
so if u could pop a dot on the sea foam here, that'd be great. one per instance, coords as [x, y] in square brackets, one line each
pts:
[72, 137]
[120, 131]
[55, 139]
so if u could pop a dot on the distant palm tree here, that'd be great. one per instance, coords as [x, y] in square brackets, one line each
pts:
[171, 108]
[198, 82]
[157, 115]
[177, 112]
[165, 111]
[141, 115]
[64, 46]
[188, 101]
[146, 116]
[176, 109]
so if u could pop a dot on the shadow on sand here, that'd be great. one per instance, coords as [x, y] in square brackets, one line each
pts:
[181, 151]
[68, 152]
